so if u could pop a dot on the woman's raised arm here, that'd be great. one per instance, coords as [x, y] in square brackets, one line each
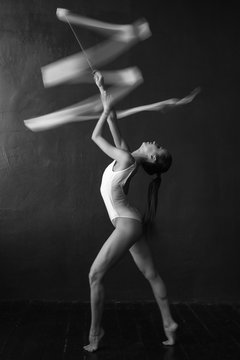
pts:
[115, 131]
[112, 118]
[114, 152]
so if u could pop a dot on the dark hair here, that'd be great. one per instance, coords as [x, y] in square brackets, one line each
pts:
[162, 165]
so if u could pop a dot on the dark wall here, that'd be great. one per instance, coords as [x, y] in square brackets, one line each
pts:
[52, 219]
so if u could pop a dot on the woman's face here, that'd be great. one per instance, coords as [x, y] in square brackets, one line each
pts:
[152, 149]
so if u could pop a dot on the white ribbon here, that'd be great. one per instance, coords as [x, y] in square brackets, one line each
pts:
[75, 69]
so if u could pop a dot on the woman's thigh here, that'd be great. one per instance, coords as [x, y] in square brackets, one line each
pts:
[142, 257]
[126, 233]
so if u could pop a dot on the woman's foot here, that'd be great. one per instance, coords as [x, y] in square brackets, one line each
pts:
[170, 332]
[94, 341]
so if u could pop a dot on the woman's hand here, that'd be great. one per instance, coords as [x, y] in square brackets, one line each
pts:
[106, 98]
[98, 78]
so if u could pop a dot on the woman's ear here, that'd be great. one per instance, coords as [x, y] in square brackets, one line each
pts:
[153, 158]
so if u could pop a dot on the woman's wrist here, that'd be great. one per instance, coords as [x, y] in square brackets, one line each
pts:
[106, 111]
[101, 89]
[111, 116]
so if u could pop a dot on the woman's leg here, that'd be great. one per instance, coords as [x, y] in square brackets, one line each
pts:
[127, 232]
[142, 256]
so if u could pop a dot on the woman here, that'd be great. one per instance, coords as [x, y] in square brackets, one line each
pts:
[126, 219]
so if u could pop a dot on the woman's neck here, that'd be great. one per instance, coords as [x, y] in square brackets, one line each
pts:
[138, 156]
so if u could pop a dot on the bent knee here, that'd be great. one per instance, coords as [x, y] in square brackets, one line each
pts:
[150, 275]
[94, 276]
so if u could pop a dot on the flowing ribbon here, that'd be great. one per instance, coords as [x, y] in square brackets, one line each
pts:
[75, 69]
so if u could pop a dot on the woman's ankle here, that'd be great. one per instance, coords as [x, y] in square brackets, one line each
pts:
[168, 322]
[96, 331]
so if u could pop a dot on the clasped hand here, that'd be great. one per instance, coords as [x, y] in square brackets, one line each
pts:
[106, 98]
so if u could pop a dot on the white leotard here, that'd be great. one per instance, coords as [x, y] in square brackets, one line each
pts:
[113, 190]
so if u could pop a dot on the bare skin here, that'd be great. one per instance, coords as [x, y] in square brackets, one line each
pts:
[142, 256]
[127, 235]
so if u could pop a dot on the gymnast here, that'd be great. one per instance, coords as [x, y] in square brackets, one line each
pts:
[127, 220]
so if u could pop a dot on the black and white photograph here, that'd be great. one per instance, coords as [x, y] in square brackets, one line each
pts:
[119, 180]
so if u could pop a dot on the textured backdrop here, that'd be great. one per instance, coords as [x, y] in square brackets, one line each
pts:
[52, 219]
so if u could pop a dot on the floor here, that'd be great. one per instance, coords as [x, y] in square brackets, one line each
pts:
[39, 330]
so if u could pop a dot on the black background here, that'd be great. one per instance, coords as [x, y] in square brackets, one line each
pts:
[52, 218]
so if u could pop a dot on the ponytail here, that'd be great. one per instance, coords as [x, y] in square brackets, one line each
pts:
[152, 200]
[157, 168]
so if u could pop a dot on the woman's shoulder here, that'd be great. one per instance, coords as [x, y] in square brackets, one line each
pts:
[126, 161]
[128, 157]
